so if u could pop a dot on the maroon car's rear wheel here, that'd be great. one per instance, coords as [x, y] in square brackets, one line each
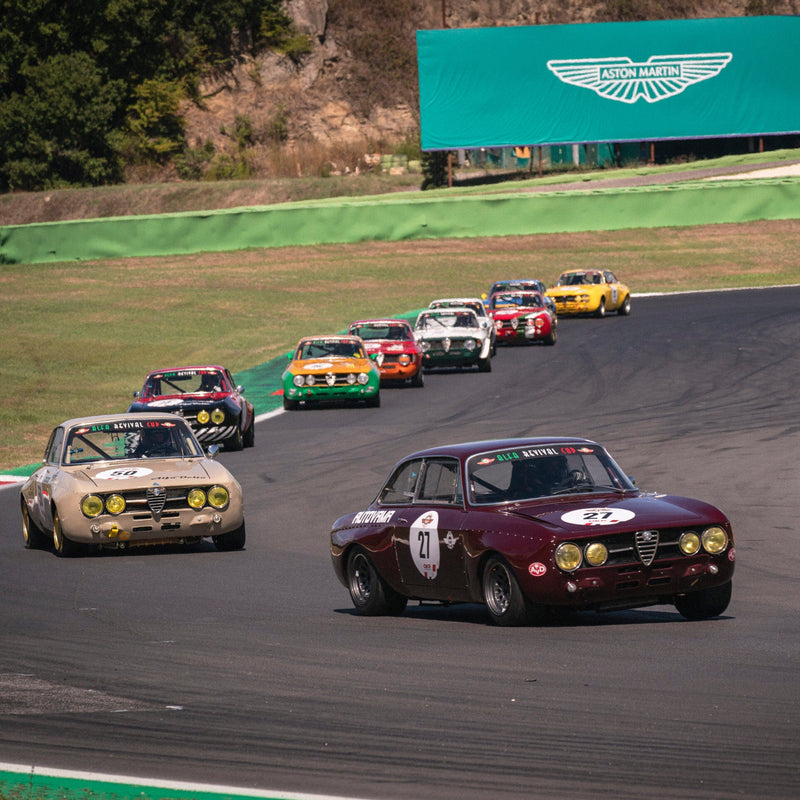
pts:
[370, 594]
[33, 535]
[502, 595]
[706, 603]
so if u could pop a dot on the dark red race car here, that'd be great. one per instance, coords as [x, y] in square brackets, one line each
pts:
[522, 318]
[207, 398]
[529, 527]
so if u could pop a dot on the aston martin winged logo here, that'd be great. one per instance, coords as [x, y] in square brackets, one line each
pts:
[626, 81]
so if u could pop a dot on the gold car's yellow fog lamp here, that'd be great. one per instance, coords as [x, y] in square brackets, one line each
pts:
[92, 506]
[689, 543]
[203, 417]
[715, 540]
[568, 556]
[115, 504]
[218, 416]
[196, 498]
[218, 496]
[596, 554]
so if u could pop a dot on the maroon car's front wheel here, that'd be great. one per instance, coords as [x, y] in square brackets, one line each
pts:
[502, 595]
[706, 603]
[371, 595]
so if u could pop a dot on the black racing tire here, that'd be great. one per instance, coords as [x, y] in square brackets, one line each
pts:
[371, 595]
[232, 540]
[706, 603]
[374, 401]
[290, 405]
[485, 364]
[418, 380]
[625, 308]
[551, 339]
[235, 442]
[250, 434]
[601, 309]
[503, 597]
[33, 536]
[64, 547]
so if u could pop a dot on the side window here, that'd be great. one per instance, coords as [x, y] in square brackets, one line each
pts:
[441, 482]
[399, 489]
[53, 453]
[610, 277]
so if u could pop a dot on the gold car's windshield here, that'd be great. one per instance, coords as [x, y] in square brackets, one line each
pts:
[114, 441]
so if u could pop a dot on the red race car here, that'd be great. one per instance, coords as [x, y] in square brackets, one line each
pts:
[523, 317]
[207, 398]
[529, 527]
[390, 343]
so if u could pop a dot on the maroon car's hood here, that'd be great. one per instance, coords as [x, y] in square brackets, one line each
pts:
[610, 512]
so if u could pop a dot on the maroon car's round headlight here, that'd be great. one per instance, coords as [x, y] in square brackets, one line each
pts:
[596, 554]
[715, 540]
[689, 543]
[203, 417]
[218, 416]
[568, 556]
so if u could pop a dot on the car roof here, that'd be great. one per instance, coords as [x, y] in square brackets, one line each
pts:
[464, 450]
[332, 337]
[132, 417]
[456, 300]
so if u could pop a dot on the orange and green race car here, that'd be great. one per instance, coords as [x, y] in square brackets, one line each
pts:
[330, 368]
[590, 291]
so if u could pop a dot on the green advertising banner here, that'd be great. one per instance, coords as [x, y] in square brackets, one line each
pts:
[608, 82]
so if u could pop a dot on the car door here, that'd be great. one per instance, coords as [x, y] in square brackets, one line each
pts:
[428, 539]
[44, 481]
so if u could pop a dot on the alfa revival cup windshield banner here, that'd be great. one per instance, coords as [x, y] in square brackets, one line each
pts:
[608, 82]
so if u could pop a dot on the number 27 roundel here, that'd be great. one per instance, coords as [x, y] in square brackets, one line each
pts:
[423, 540]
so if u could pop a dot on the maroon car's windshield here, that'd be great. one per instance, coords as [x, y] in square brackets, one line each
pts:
[525, 473]
[186, 381]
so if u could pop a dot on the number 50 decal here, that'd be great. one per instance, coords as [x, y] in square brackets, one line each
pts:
[423, 541]
[597, 516]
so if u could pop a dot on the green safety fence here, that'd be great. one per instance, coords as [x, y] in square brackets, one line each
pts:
[417, 216]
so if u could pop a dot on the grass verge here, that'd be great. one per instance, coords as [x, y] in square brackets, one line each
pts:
[78, 338]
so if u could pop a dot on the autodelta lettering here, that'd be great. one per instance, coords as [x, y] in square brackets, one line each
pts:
[627, 81]
[371, 517]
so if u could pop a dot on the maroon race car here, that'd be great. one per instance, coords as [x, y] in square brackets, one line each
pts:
[523, 317]
[207, 398]
[528, 527]
[390, 343]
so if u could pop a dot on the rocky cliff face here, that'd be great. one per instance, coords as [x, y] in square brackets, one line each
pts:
[357, 86]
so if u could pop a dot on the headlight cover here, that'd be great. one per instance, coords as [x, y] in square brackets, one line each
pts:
[689, 543]
[470, 344]
[196, 498]
[218, 497]
[363, 378]
[351, 378]
[115, 504]
[203, 417]
[218, 416]
[299, 380]
[596, 554]
[568, 556]
[715, 540]
[92, 506]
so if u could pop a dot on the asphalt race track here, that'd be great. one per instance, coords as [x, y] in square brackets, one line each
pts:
[250, 668]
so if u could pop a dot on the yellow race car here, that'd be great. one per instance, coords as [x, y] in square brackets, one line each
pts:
[590, 291]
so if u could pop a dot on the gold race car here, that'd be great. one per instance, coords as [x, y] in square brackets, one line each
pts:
[590, 291]
[121, 480]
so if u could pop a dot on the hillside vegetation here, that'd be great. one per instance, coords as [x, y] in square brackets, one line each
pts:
[94, 92]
